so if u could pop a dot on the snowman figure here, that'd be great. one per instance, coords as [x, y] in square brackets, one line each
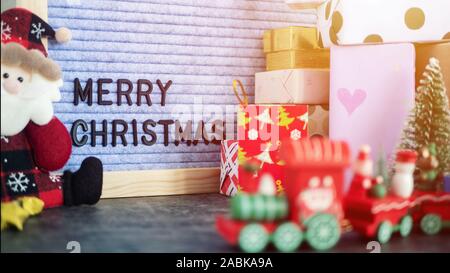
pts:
[403, 179]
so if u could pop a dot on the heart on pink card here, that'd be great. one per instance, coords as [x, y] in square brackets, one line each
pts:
[351, 101]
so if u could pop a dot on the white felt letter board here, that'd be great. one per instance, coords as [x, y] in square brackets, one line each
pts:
[200, 46]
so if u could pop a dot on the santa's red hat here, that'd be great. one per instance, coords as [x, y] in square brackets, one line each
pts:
[406, 156]
[27, 29]
[364, 153]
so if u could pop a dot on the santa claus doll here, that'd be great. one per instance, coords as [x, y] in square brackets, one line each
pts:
[363, 182]
[33, 141]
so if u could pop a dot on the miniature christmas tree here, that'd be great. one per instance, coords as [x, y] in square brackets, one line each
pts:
[284, 119]
[429, 121]
[382, 169]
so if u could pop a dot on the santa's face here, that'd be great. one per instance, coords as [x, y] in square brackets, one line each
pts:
[15, 79]
[364, 168]
[25, 96]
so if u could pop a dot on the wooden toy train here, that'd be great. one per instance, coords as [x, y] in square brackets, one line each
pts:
[313, 206]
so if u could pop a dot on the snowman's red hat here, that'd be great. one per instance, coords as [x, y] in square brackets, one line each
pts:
[406, 156]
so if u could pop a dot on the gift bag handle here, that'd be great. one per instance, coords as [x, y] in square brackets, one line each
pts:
[244, 100]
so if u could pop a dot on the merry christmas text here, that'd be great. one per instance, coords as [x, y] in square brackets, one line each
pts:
[115, 131]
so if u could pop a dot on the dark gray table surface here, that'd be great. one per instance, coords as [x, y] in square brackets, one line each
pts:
[163, 224]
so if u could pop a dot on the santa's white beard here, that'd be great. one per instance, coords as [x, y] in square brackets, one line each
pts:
[16, 112]
[364, 168]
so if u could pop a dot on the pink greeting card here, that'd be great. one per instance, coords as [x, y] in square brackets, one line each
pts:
[371, 94]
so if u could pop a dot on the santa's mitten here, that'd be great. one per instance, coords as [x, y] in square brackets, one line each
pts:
[85, 185]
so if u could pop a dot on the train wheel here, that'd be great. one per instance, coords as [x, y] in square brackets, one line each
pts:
[431, 224]
[384, 232]
[287, 237]
[253, 238]
[323, 231]
[406, 225]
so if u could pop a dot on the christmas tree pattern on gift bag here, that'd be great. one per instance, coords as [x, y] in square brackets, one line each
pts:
[256, 159]
[272, 122]
[284, 119]
[242, 156]
[243, 118]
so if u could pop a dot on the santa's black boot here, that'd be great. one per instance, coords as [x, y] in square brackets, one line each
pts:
[85, 185]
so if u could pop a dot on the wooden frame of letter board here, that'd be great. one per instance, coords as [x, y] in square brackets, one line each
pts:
[147, 182]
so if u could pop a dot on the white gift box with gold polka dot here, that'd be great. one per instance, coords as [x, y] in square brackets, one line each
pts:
[346, 22]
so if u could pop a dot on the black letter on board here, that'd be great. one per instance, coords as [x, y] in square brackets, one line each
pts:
[121, 133]
[218, 130]
[166, 123]
[125, 93]
[183, 135]
[201, 134]
[149, 132]
[73, 133]
[101, 91]
[103, 133]
[145, 93]
[135, 133]
[83, 94]
[163, 89]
